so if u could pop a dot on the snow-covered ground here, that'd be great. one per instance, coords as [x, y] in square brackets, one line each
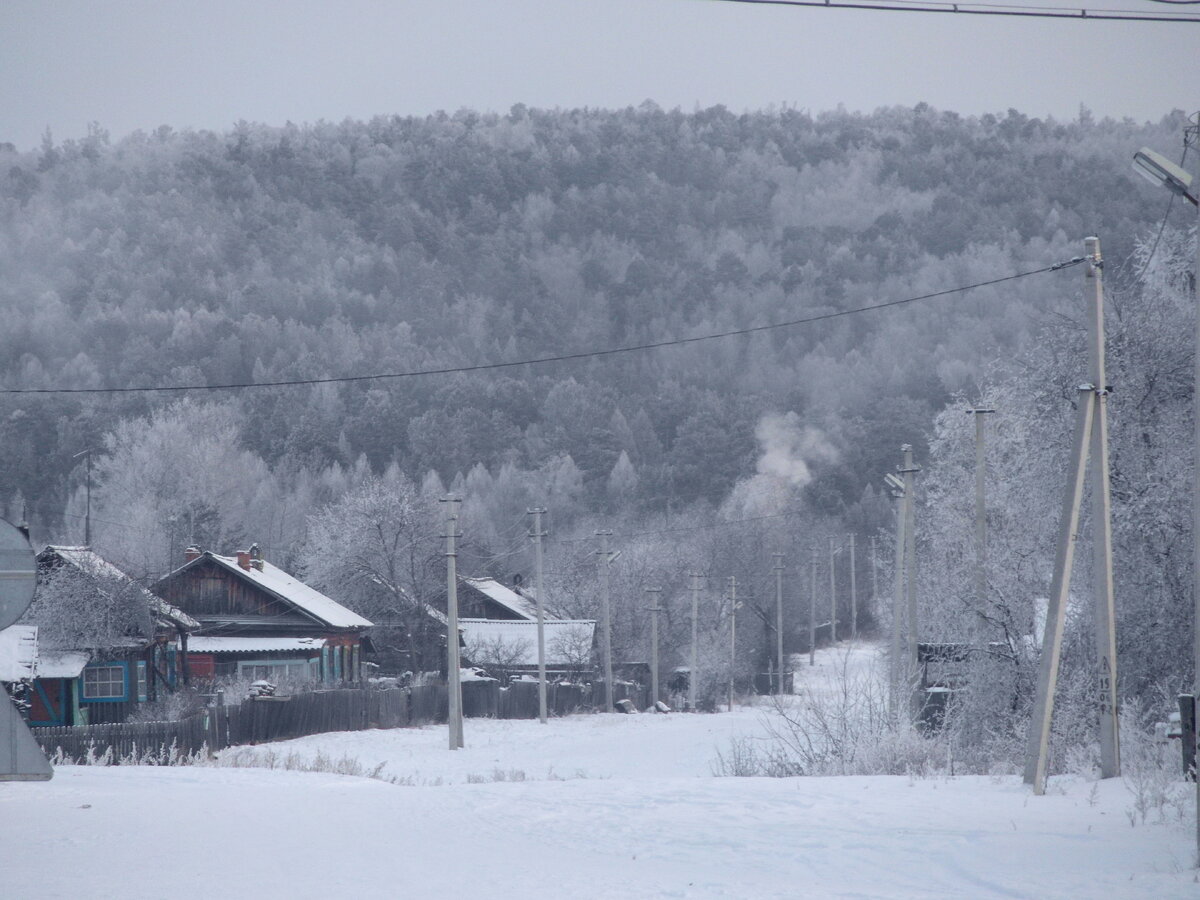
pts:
[610, 807]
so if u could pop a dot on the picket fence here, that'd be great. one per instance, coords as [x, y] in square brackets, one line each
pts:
[257, 720]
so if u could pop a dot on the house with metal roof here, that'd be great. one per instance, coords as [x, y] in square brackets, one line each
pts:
[498, 624]
[259, 622]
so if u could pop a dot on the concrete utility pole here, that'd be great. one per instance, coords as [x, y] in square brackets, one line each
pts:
[909, 472]
[874, 576]
[1091, 427]
[606, 559]
[980, 508]
[812, 605]
[853, 593]
[832, 596]
[453, 664]
[693, 675]
[733, 608]
[896, 665]
[778, 622]
[655, 608]
[1192, 139]
[537, 534]
[87, 516]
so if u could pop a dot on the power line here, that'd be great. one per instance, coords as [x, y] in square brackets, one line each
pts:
[988, 9]
[541, 360]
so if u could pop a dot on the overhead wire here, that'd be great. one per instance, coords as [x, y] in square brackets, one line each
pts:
[985, 9]
[543, 360]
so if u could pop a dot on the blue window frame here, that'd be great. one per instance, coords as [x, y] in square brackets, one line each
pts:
[105, 683]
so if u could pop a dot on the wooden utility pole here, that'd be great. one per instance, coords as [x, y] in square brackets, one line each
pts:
[1091, 427]
[778, 622]
[453, 664]
[537, 534]
[606, 559]
[655, 608]
[693, 674]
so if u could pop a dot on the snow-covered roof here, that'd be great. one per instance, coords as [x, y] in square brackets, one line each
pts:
[201, 644]
[560, 634]
[18, 652]
[274, 580]
[61, 663]
[21, 658]
[91, 563]
[505, 596]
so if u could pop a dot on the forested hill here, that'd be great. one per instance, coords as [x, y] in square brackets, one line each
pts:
[411, 243]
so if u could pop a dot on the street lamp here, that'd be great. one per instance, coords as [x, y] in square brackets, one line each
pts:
[1156, 168]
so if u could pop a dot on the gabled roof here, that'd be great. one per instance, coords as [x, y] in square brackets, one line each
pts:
[291, 590]
[505, 596]
[92, 564]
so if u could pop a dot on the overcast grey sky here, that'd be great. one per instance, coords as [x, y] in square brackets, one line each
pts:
[138, 64]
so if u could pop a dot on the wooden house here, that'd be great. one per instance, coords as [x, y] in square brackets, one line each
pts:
[259, 622]
[100, 643]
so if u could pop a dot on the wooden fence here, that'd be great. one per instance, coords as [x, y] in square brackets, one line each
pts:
[261, 719]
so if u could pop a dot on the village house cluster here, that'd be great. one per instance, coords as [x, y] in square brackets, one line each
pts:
[96, 644]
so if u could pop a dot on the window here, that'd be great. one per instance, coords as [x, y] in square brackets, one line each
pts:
[276, 670]
[104, 682]
[143, 685]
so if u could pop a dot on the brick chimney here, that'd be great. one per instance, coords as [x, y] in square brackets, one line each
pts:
[191, 553]
[243, 559]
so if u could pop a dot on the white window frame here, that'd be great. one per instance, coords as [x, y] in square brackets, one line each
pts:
[90, 684]
[292, 669]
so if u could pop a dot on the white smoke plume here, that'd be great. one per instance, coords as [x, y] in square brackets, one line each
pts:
[787, 449]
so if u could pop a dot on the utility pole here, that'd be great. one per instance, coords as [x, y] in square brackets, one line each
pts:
[910, 545]
[606, 559]
[1191, 138]
[693, 675]
[980, 509]
[778, 622]
[733, 608]
[537, 534]
[853, 593]
[453, 664]
[1091, 427]
[812, 605]
[832, 596]
[655, 608]
[874, 576]
[895, 666]
[87, 517]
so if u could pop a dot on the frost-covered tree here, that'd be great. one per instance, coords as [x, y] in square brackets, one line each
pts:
[175, 478]
[376, 550]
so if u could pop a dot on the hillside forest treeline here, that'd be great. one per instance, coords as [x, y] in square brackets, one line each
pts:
[396, 245]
